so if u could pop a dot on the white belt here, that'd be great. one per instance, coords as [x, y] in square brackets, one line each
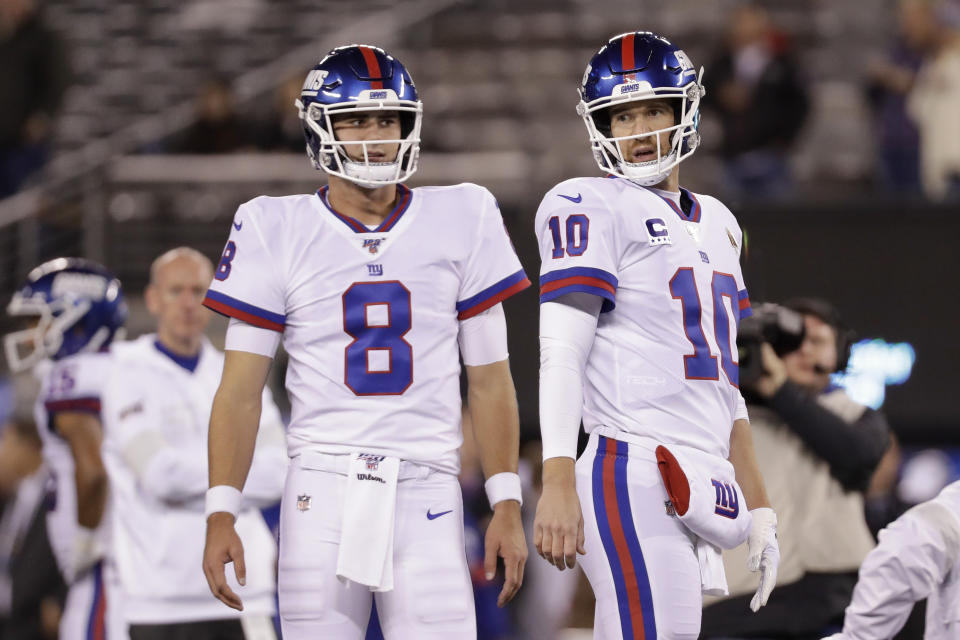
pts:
[340, 464]
[644, 442]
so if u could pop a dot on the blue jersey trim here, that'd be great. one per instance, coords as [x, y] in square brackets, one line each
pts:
[694, 206]
[187, 362]
[580, 280]
[588, 272]
[743, 304]
[469, 306]
[403, 203]
[244, 308]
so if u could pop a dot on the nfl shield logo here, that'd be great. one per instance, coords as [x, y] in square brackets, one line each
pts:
[303, 502]
[372, 460]
[372, 244]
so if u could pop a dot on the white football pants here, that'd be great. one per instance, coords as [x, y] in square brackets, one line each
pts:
[432, 595]
[641, 562]
[92, 610]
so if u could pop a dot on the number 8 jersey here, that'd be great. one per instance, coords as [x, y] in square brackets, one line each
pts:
[664, 359]
[370, 318]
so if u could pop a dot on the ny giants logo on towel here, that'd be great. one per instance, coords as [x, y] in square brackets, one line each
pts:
[728, 502]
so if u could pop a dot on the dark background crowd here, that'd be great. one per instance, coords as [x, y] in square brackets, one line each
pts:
[830, 129]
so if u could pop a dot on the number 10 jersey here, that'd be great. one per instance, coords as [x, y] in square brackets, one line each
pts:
[664, 360]
[370, 317]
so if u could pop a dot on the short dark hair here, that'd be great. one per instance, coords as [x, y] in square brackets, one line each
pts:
[826, 312]
[817, 307]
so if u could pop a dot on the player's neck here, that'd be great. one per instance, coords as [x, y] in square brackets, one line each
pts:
[369, 206]
[186, 347]
[670, 183]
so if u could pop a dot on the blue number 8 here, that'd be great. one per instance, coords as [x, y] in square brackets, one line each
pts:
[224, 266]
[379, 362]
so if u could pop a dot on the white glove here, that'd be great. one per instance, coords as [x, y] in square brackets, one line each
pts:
[87, 551]
[764, 554]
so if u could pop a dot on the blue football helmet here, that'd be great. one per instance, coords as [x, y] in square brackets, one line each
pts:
[641, 66]
[79, 306]
[360, 78]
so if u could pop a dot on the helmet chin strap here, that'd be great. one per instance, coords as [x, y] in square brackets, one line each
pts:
[372, 174]
[636, 172]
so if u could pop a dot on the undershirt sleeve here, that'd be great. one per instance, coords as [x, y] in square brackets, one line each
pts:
[246, 337]
[568, 325]
[483, 337]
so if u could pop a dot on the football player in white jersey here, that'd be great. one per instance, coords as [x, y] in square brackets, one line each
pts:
[370, 285]
[641, 292]
[156, 408]
[76, 309]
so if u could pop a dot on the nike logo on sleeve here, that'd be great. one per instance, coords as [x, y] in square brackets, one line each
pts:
[434, 516]
[571, 198]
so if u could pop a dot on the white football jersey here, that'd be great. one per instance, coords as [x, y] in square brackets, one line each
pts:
[156, 415]
[664, 360]
[370, 317]
[72, 384]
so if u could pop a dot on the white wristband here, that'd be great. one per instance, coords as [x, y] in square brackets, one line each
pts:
[503, 486]
[225, 498]
[87, 549]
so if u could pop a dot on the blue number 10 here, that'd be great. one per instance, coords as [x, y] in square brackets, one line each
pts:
[701, 364]
[578, 233]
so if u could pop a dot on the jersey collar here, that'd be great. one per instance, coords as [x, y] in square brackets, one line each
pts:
[687, 201]
[406, 196]
[187, 362]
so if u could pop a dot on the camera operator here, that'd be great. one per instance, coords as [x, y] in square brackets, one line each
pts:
[817, 450]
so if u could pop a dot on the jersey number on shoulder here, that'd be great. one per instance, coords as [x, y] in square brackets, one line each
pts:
[701, 364]
[379, 362]
[63, 380]
[577, 228]
[224, 266]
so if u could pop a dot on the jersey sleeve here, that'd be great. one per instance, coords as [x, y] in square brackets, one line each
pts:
[251, 339]
[744, 303]
[736, 237]
[914, 556]
[75, 384]
[578, 249]
[740, 413]
[743, 297]
[493, 272]
[246, 284]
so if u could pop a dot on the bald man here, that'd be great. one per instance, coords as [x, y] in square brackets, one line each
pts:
[156, 410]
